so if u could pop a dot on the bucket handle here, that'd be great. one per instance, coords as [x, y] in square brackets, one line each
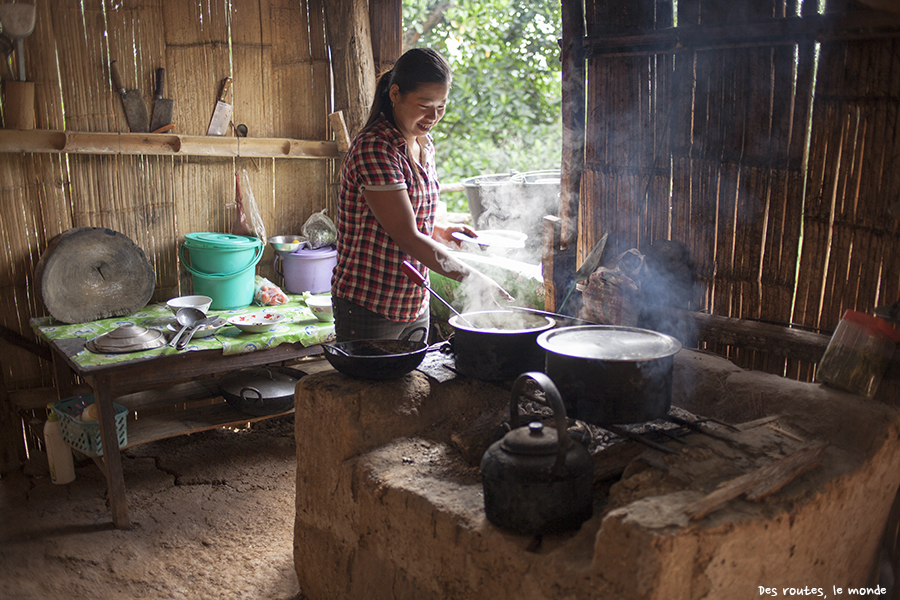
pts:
[192, 271]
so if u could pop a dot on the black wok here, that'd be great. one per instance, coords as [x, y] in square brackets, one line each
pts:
[377, 359]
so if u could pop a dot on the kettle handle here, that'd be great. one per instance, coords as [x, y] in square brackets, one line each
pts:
[553, 401]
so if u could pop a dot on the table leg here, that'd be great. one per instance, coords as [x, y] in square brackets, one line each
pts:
[115, 479]
[64, 377]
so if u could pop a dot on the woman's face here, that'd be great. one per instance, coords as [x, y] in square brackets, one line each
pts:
[418, 111]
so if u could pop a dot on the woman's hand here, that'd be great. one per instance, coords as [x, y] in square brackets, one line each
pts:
[443, 232]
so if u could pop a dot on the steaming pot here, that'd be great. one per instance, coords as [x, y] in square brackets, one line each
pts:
[498, 345]
[611, 374]
[536, 479]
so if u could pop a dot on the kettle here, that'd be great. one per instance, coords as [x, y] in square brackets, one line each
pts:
[536, 480]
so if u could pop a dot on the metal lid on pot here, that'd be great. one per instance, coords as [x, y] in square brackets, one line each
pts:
[609, 342]
[127, 338]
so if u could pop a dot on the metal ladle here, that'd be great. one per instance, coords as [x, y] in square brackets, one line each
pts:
[416, 277]
[187, 316]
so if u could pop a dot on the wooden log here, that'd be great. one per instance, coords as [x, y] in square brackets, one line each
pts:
[89, 273]
[347, 29]
[341, 135]
[573, 115]
[558, 263]
[759, 483]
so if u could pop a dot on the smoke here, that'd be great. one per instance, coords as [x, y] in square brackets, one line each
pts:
[515, 202]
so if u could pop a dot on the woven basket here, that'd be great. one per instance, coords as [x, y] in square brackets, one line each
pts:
[84, 436]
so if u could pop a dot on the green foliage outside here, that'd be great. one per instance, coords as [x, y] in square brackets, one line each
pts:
[504, 108]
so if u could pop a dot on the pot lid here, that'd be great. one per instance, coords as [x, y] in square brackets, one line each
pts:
[533, 440]
[323, 252]
[221, 241]
[269, 382]
[127, 338]
[609, 342]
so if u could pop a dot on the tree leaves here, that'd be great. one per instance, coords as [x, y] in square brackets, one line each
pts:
[504, 108]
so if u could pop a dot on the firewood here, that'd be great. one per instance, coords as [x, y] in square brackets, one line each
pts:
[759, 483]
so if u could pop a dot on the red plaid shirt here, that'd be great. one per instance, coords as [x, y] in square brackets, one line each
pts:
[368, 267]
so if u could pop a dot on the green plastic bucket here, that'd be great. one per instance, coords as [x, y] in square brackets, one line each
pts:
[235, 257]
[212, 252]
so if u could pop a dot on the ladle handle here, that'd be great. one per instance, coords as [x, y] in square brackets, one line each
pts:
[413, 273]
[416, 277]
[177, 337]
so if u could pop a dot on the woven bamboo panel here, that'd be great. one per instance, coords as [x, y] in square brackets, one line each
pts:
[775, 165]
[276, 54]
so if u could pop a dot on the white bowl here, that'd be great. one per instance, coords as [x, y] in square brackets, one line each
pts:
[199, 302]
[321, 307]
[256, 322]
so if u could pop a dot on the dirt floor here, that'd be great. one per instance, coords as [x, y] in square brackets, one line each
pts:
[212, 517]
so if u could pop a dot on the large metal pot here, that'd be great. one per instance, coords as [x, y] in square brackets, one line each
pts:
[609, 374]
[377, 359]
[498, 345]
[536, 479]
[261, 390]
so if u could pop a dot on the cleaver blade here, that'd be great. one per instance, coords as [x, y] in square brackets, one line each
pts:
[221, 117]
[132, 102]
[162, 107]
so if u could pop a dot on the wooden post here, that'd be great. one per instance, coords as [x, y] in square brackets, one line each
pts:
[558, 263]
[348, 33]
[573, 76]
[385, 21]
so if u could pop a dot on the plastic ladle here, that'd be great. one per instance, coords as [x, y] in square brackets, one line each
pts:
[18, 23]
[416, 277]
[187, 317]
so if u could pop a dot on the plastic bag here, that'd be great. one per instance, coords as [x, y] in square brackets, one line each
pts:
[268, 294]
[247, 220]
[319, 230]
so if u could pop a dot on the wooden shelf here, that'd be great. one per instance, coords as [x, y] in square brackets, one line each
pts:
[192, 420]
[162, 144]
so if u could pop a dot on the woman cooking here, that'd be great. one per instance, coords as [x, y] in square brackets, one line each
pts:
[386, 211]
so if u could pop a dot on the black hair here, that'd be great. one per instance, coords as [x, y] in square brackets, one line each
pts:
[415, 67]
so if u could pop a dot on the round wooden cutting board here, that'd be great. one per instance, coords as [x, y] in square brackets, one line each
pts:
[90, 273]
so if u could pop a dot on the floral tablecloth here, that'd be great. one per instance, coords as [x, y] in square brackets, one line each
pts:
[299, 325]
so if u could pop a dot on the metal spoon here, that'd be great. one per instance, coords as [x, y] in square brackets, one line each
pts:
[186, 317]
[182, 344]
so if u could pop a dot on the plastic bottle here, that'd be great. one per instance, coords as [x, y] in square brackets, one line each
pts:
[59, 455]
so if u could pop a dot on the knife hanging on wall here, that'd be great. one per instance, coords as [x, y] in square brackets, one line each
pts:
[221, 116]
[162, 107]
[132, 102]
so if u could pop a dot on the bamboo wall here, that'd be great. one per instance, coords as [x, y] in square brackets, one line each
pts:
[775, 159]
[277, 54]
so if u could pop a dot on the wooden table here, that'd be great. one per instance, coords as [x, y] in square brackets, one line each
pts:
[182, 382]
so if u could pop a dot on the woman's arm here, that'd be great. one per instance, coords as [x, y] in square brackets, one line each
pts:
[393, 210]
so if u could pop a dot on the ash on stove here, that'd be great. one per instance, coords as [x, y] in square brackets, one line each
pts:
[599, 438]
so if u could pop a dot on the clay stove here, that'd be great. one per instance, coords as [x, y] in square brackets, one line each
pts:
[389, 507]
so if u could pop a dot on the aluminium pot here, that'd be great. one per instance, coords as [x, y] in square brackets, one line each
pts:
[611, 375]
[261, 391]
[498, 345]
[377, 359]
